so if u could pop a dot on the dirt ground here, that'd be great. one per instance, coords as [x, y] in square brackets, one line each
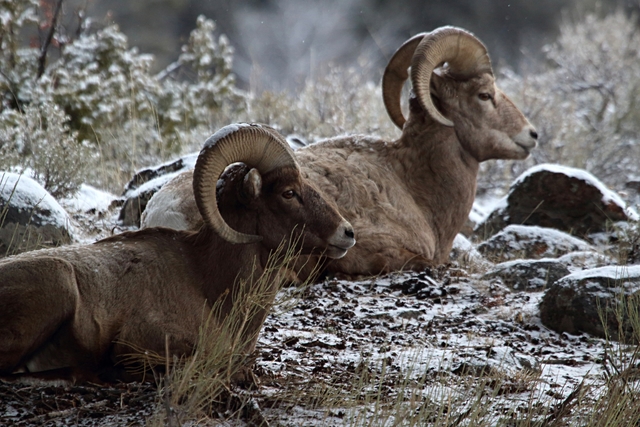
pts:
[443, 322]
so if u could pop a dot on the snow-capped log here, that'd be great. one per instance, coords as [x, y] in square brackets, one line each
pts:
[560, 197]
[82, 308]
[408, 198]
[30, 218]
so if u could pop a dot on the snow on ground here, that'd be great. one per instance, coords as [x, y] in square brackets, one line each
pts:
[88, 199]
[425, 334]
[416, 326]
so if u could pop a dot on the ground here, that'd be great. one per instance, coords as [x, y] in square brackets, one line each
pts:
[375, 352]
[408, 331]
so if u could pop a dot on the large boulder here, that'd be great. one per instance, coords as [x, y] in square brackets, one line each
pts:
[530, 242]
[596, 301]
[567, 199]
[146, 182]
[30, 218]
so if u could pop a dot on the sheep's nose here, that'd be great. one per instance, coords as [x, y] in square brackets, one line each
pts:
[533, 134]
[349, 233]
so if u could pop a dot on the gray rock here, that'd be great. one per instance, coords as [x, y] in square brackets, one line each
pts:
[559, 197]
[30, 218]
[595, 301]
[530, 242]
[528, 275]
[146, 182]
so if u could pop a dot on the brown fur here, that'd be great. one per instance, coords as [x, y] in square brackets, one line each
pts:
[407, 199]
[81, 307]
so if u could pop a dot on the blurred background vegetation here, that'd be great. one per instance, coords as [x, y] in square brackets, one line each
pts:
[127, 84]
[279, 43]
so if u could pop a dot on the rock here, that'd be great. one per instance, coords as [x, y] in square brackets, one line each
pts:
[530, 242]
[578, 302]
[528, 275]
[567, 199]
[146, 182]
[30, 218]
[465, 253]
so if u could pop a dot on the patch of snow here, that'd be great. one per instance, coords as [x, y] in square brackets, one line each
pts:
[473, 327]
[87, 199]
[153, 184]
[613, 272]
[484, 206]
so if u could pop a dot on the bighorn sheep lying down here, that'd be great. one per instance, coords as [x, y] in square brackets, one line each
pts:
[81, 307]
[407, 199]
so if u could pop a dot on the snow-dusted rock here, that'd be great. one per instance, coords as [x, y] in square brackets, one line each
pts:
[530, 242]
[30, 217]
[146, 182]
[559, 197]
[465, 253]
[578, 302]
[528, 275]
[584, 260]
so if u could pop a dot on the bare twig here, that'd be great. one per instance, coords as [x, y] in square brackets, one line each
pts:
[47, 42]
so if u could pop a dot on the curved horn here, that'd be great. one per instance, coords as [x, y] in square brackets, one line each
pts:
[395, 75]
[465, 55]
[256, 146]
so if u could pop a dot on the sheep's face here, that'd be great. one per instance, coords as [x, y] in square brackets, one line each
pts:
[487, 123]
[290, 209]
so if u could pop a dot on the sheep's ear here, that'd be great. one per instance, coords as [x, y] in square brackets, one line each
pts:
[251, 185]
[438, 83]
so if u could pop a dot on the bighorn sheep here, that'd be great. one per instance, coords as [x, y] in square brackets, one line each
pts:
[406, 199]
[80, 308]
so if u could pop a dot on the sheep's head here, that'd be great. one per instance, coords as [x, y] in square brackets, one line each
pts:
[455, 87]
[267, 182]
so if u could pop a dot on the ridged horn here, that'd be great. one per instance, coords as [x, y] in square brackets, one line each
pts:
[255, 145]
[465, 55]
[394, 77]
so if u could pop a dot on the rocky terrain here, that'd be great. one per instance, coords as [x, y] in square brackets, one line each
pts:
[517, 313]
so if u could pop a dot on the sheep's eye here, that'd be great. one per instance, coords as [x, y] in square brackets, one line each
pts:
[289, 194]
[484, 96]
